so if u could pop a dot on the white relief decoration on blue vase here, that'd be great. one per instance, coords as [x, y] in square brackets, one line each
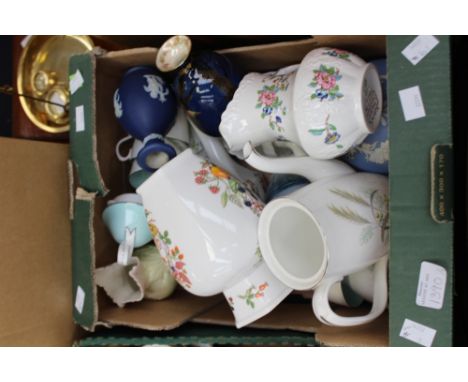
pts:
[377, 152]
[118, 110]
[156, 87]
[203, 86]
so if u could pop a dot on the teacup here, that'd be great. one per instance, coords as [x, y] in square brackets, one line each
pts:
[336, 226]
[126, 214]
[204, 222]
[337, 102]
[372, 154]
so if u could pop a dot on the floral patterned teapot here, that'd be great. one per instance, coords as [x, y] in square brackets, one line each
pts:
[316, 236]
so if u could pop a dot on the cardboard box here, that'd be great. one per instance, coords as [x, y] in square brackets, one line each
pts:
[38, 271]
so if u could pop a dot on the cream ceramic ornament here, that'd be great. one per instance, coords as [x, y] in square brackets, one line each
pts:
[204, 223]
[316, 236]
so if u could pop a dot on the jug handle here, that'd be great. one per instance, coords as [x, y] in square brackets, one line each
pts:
[310, 168]
[321, 303]
[121, 157]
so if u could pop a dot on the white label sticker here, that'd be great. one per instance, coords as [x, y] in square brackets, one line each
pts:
[79, 299]
[431, 286]
[79, 118]
[418, 333]
[25, 41]
[412, 103]
[126, 247]
[419, 48]
[76, 81]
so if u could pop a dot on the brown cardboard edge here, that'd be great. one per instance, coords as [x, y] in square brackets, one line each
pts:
[319, 40]
[136, 315]
[82, 194]
[299, 317]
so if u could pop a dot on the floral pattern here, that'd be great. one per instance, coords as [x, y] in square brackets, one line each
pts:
[377, 202]
[270, 103]
[170, 253]
[254, 293]
[343, 54]
[325, 83]
[230, 190]
[331, 134]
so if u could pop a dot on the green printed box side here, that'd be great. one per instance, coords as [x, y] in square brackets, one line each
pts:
[415, 236]
[83, 263]
[83, 136]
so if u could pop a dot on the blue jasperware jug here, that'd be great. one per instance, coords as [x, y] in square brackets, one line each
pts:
[146, 108]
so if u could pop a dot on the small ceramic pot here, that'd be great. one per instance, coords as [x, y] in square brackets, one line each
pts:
[372, 155]
[204, 82]
[126, 213]
[146, 108]
[204, 222]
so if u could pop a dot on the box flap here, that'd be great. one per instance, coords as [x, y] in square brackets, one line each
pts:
[414, 236]
[35, 269]
[158, 315]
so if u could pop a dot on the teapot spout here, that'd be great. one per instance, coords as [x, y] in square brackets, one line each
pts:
[310, 168]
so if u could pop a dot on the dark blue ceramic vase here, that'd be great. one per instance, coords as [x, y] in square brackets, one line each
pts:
[146, 107]
[372, 154]
[204, 82]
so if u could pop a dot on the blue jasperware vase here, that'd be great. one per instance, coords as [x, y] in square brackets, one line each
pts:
[372, 154]
[146, 108]
[204, 82]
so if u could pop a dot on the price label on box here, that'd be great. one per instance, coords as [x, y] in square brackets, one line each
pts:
[431, 286]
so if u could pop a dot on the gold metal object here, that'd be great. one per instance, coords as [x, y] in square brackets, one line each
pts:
[43, 73]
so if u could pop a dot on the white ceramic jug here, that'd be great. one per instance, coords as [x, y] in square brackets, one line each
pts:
[332, 228]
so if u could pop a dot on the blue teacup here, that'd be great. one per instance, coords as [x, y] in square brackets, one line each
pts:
[372, 154]
[146, 108]
[127, 212]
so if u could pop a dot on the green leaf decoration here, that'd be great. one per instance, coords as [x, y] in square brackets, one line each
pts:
[350, 196]
[233, 185]
[237, 200]
[338, 146]
[250, 303]
[348, 214]
[316, 132]
[224, 198]
[367, 234]
[259, 105]
[332, 127]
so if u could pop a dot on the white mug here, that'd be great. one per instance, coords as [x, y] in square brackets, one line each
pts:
[325, 231]
[204, 223]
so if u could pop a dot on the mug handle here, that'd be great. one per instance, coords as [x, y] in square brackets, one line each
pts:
[121, 157]
[321, 303]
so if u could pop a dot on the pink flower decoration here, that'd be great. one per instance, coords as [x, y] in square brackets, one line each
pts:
[325, 80]
[267, 98]
[199, 179]
[179, 264]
